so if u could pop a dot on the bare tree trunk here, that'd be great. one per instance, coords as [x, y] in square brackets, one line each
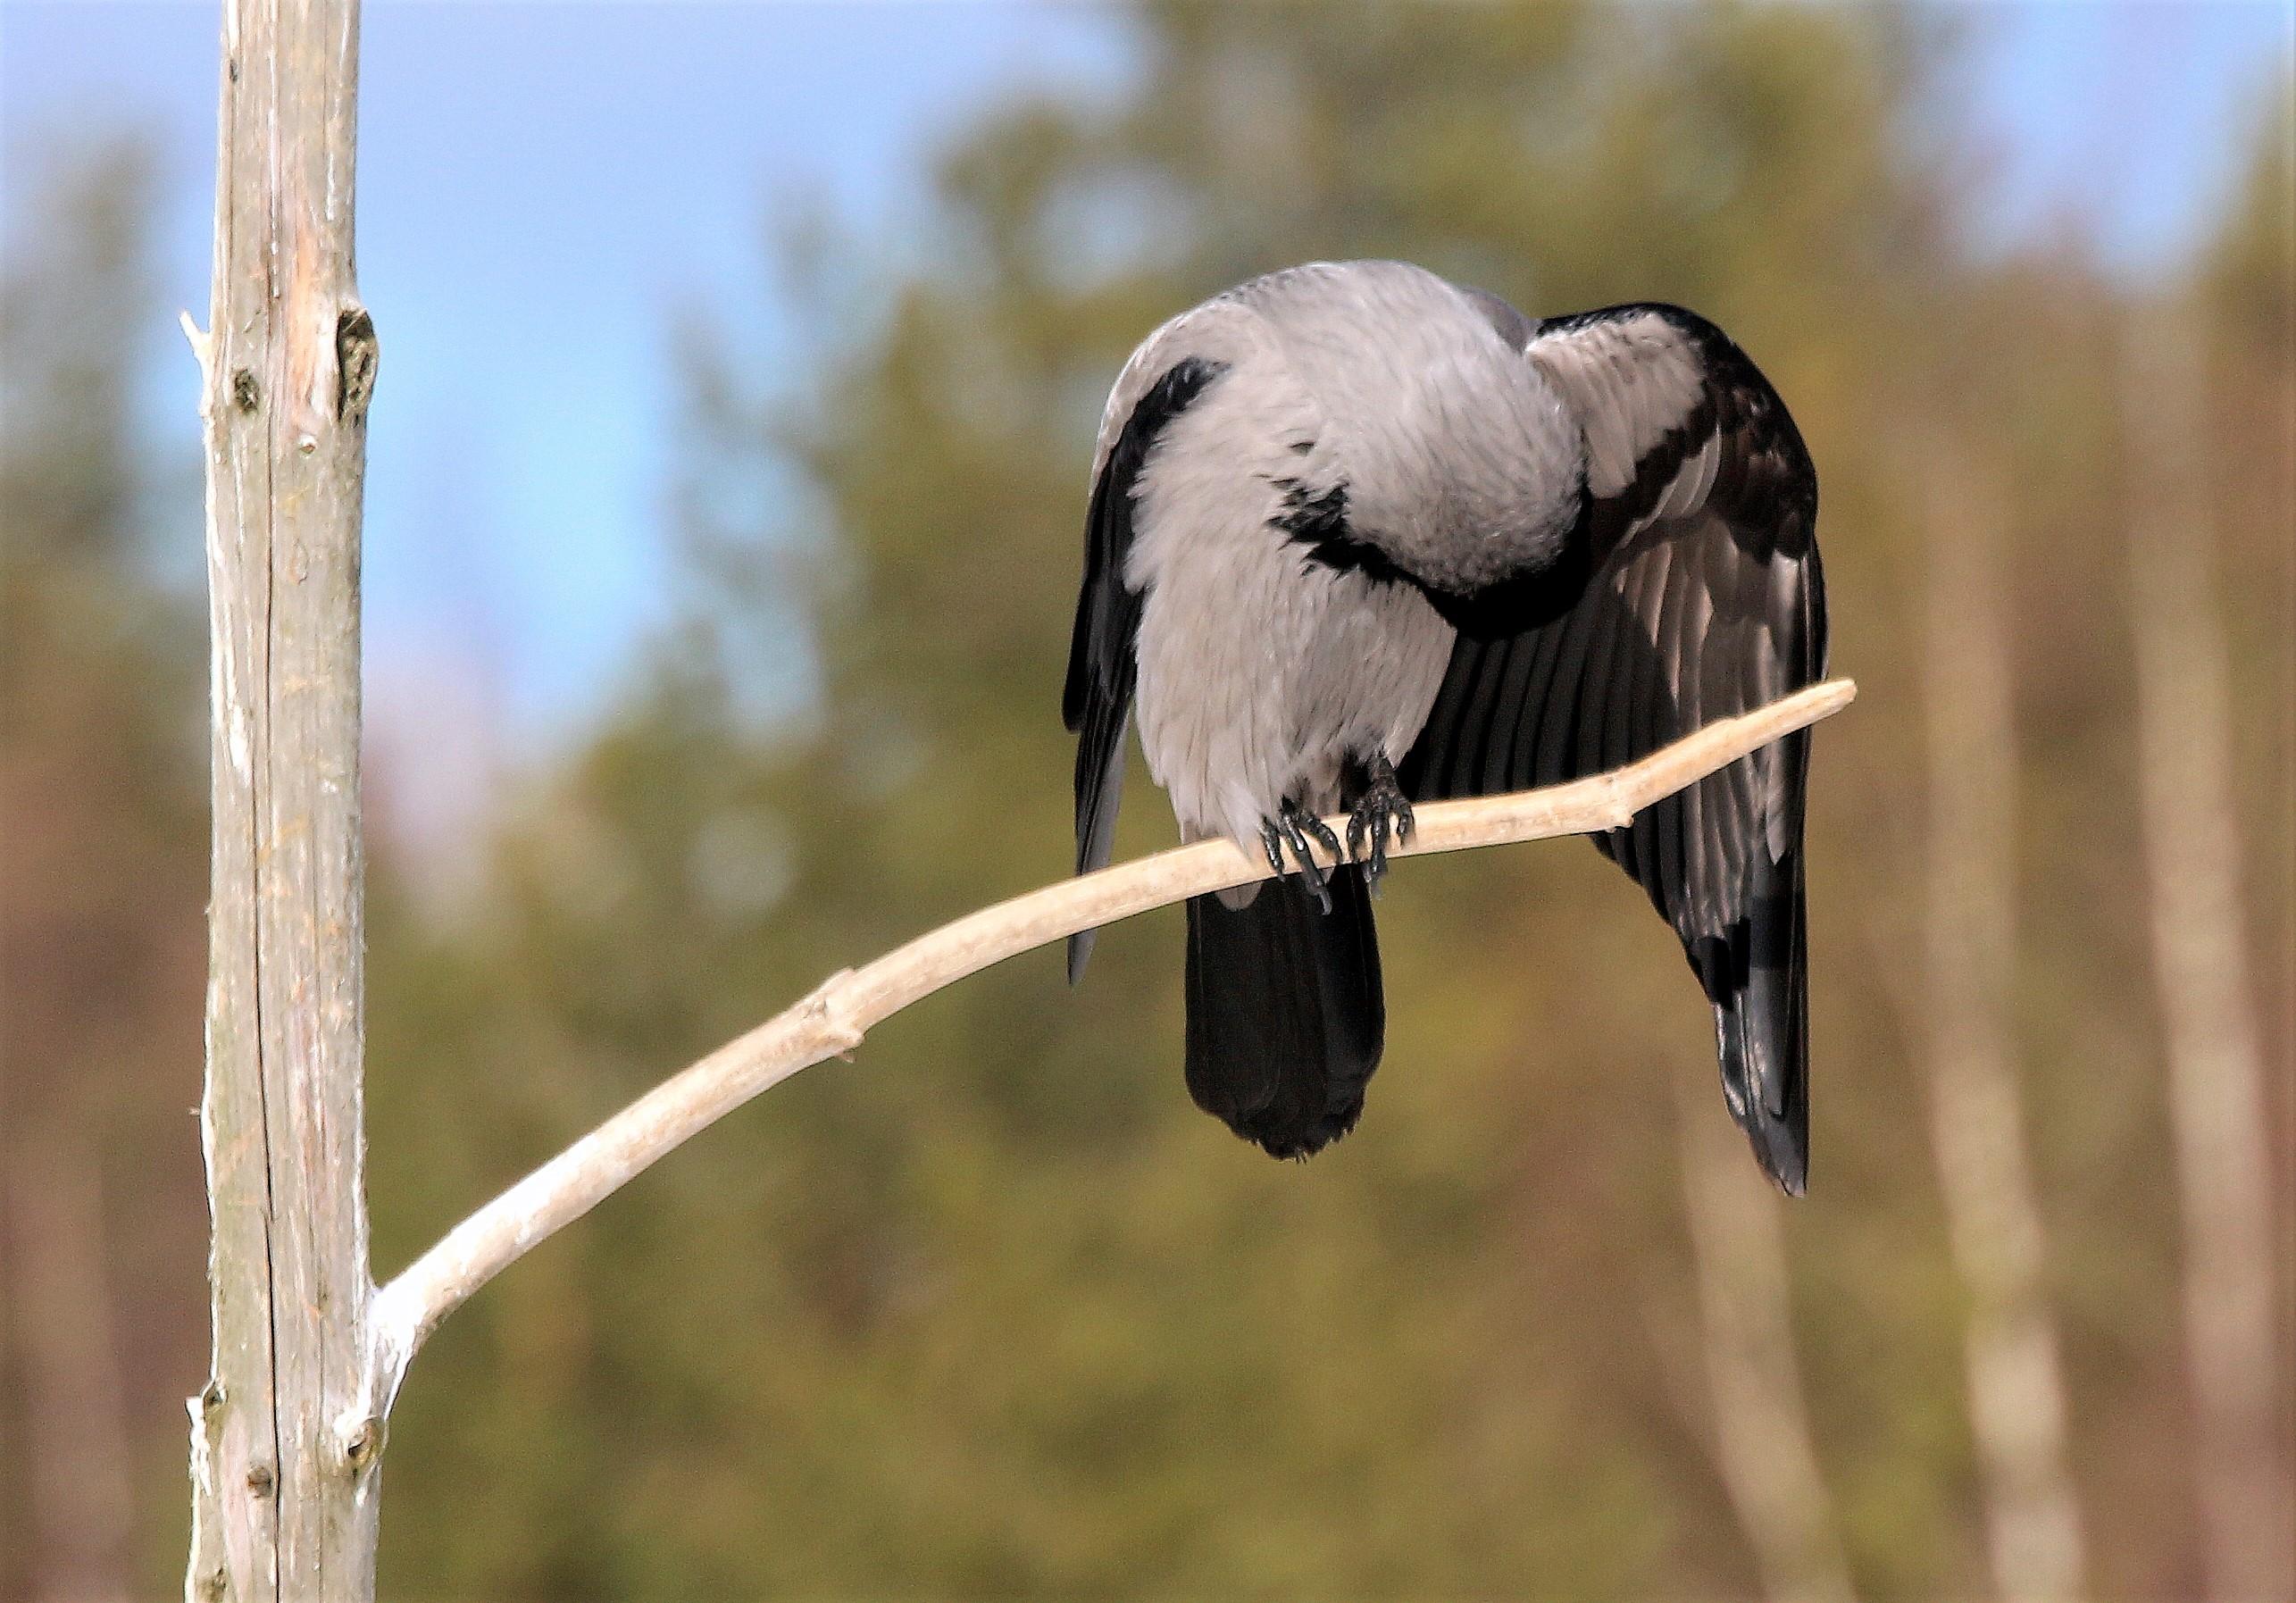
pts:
[282, 1454]
[2216, 1104]
[2017, 1394]
[1761, 1428]
[75, 1422]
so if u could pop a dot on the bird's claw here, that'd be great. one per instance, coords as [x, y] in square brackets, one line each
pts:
[1295, 829]
[1382, 810]
[1271, 841]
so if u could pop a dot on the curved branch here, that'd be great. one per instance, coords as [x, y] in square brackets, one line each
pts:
[832, 1020]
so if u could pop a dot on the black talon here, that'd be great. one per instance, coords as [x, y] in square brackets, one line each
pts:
[1321, 832]
[1295, 828]
[1314, 878]
[1382, 808]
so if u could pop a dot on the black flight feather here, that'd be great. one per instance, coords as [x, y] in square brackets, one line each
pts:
[1101, 667]
[1652, 627]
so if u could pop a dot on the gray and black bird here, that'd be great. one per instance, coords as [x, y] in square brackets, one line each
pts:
[1360, 537]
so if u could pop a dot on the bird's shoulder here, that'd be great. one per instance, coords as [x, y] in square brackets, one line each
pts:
[1207, 340]
[1661, 391]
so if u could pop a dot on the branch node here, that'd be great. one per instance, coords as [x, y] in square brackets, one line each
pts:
[828, 1020]
[356, 354]
[1621, 805]
[359, 1437]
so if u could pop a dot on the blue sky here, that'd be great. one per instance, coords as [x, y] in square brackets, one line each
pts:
[541, 186]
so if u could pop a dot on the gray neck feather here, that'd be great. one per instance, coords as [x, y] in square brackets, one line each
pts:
[1462, 465]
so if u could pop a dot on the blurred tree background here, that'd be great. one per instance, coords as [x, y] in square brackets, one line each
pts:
[993, 1310]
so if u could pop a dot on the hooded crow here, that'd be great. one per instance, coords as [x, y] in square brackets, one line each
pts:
[1360, 537]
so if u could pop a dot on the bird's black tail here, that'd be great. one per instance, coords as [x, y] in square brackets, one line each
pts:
[1759, 988]
[1285, 1015]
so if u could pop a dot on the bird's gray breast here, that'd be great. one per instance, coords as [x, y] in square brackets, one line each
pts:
[1262, 667]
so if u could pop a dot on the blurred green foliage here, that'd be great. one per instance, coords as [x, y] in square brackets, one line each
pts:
[993, 1310]
[103, 894]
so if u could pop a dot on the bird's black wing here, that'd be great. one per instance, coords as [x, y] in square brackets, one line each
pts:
[1101, 664]
[1694, 591]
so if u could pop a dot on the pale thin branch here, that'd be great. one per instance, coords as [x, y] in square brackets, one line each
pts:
[832, 1020]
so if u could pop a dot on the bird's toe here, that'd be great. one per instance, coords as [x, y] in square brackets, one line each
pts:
[1383, 813]
[1302, 831]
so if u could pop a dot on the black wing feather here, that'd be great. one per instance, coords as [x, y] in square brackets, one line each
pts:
[1102, 667]
[1690, 611]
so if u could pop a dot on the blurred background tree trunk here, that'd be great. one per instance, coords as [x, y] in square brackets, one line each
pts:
[2220, 1116]
[102, 887]
[1978, 1117]
[57, 1296]
[1760, 1421]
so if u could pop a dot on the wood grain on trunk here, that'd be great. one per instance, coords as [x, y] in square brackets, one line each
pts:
[283, 1503]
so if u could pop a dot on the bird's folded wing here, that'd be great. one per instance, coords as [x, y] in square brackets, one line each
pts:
[1703, 598]
[1161, 380]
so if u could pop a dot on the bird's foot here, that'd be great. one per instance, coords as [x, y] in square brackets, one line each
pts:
[1295, 828]
[1382, 811]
